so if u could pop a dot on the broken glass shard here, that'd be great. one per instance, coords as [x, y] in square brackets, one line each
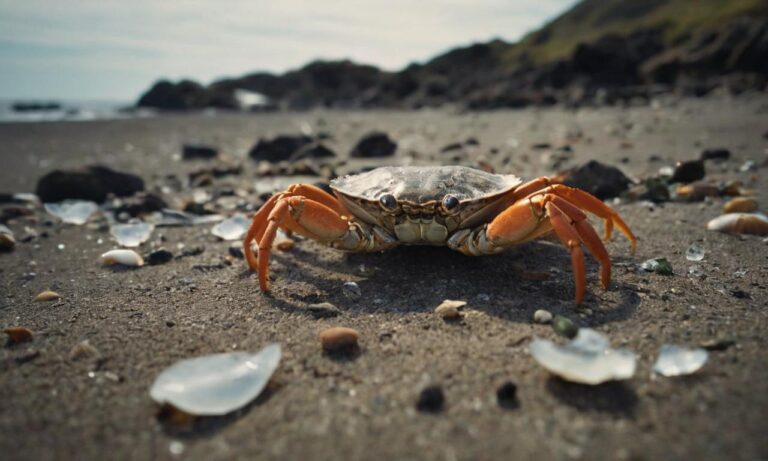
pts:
[232, 228]
[72, 211]
[216, 384]
[132, 235]
[695, 252]
[587, 359]
[676, 360]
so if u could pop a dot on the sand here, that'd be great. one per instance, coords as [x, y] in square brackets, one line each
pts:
[364, 406]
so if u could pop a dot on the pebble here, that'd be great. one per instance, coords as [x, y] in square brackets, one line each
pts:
[18, 335]
[449, 309]
[689, 171]
[740, 205]
[47, 295]
[159, 256]
[564, 326]
[542, 316]
[715, 154]
[339, 338]
[506, 395]
[7, 242]
[83, 349]
[236, 251]
[352, 290]
[285, 245]
[659, 266]
[323, 310]
[431, 400]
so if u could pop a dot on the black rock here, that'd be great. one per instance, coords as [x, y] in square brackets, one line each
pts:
[602, 181]
[452, 147]
[236, 251]
[715, 154]
[198, 152]
[506, 395]
[431, 400]
[312, 151]
[90, 183]
[159, 256]
[183, 95]
[689, 171]
[278, 148]
[374, 144]
[143, 202]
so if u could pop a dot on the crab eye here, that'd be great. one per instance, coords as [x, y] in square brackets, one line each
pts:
[450, 202]
[388, 201]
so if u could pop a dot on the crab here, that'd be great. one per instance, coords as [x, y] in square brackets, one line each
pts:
[468, 210]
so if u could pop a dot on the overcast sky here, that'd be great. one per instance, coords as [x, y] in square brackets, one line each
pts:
[114, 49]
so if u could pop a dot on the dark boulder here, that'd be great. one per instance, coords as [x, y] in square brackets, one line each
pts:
[602, 181]
[278, 148]
[374, 144]
[90, 183]
[184, 95]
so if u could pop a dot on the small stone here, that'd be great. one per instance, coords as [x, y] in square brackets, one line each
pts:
[695, 252]
[449, 309]
[689, 171]
[339, 338]
[718, 344]
[740, 205]
[7, 242]
[159, 256]
[749, 165]
[660, 266]
[47, 296]
[198, 152]
[323, 310]
[18, 335]
[374, 144]
[506, 395]
[602, 181]
[431, 400]
[564, 327]
[542, 316]
[236, 251]
[83, 349]
[26, 356]
[351, 290]
[715, 154]
[285, 245]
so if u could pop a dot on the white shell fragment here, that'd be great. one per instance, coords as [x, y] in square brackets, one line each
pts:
[122, 257]
[676, 360]
[587, 359]
[740, 223]
[72, 211]
[233, 228]
[132, 235]
[216, 384]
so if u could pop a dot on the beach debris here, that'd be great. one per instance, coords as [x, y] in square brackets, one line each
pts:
[696, 192]
[47, 295]
[323, 310]
[695, 252]
[278, 148]
[122, 258]
[72, 211]
[602, 181]
[587, 359]
[449, 309]
[93, 183]
[677, 360]
[139, 204]
[431, 399]
[506, 395]
[198, 152]
[82, 350]
[740, 205]
[338, 339]
[564, 326]
[749, 165]
[542, 316]
[696, 271]
[374, 144]
[351, 290]
[216, 384]
[718, 154]
[740, 223]
[132, 234]
[159, 256]
[18, 335]
[232, 228]
[688, 171]
[7, 242]
[718, 344]
[659, 266]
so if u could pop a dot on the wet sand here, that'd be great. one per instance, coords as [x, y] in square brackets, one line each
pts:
[363, 406]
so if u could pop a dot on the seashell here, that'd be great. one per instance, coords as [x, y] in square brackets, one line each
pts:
[678, 361]
[216, 384]
[740, 205]
[740, 223]
[72, 211]
[18, 334]
[449, 309]
[47, 295]
[122, 257]
[7, 242]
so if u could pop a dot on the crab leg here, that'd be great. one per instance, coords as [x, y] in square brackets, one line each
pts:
[570, 238]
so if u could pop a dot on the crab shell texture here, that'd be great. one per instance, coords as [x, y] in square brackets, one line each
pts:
[420, 216]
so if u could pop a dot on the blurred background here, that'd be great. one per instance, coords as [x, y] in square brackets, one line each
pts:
[61, 58]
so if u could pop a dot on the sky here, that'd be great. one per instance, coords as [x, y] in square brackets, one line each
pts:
[115, 49]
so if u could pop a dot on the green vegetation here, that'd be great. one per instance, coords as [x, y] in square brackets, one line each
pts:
[591, 19]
